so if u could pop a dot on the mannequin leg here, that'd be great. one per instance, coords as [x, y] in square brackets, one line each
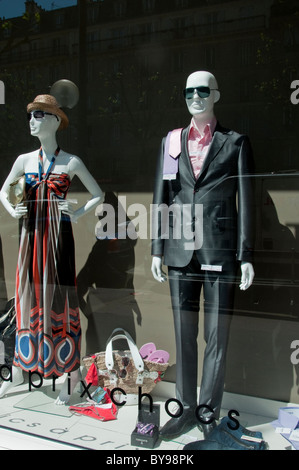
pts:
[68, 387]
[185, 294]
[17, 379]
[218, 313]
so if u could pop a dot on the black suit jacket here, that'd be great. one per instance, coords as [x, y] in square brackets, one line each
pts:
[206, 207]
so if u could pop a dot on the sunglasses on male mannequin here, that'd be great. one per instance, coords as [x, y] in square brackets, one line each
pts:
[202, 91]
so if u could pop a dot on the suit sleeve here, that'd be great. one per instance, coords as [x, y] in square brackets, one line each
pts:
[246, 217]
[159, 199]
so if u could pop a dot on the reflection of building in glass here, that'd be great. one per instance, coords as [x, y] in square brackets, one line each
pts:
[130, 59]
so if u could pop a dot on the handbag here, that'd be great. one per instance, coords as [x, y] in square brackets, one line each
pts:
[8, 330]
[222, 437]
[124, 369]
[17, 190]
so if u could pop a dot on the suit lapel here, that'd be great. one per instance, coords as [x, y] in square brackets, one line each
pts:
[185, 154]
[218, 140]
[216, 145]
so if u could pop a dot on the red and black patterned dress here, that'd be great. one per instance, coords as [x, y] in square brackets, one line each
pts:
[48, 333]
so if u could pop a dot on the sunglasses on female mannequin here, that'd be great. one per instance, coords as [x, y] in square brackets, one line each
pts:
[39, 115]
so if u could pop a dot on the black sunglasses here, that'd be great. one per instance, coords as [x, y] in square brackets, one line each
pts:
[39, 115]
[125, 362]
[202, 91]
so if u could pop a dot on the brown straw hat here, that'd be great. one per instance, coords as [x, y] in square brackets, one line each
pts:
[48, 104]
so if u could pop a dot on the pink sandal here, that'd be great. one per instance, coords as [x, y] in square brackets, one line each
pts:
[159, 356]
[146, 350]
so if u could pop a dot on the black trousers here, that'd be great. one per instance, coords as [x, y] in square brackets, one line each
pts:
[186, 285]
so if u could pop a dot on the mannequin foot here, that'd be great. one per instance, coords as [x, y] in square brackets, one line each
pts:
[17, 379]
[206, 428]
[177, 426]
[68, 387]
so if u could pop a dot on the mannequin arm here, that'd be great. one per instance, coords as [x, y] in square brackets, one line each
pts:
[16, 171]
[157, 271]
[78, 168]
[247, 275]
[246, 270]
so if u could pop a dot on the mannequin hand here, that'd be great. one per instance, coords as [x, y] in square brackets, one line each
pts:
[157, 271]
[67, 208]
[247, 275]
[20, 210]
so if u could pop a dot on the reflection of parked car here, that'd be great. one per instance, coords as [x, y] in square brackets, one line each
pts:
[275, 291]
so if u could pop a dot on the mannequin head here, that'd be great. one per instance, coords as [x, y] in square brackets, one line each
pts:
[48, 104]
[201, 107]
[45, 118]
[43, 124]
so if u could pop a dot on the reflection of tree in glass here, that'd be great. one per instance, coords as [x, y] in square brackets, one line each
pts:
[139, 99]
[19, 85]
[278, 50]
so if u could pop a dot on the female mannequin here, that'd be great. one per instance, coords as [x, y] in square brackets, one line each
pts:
[48, 323]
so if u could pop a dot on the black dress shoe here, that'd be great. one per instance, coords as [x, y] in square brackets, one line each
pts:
[207, 428]
[177, 426]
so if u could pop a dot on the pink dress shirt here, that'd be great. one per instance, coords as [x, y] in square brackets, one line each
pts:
[199, 144]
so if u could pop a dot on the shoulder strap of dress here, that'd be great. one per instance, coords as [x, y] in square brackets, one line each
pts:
[40, 163]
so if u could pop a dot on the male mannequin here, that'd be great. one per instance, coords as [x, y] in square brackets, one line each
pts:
[45, 118]
[212, 166]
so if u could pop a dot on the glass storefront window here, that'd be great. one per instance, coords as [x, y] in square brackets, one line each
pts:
[130, 61]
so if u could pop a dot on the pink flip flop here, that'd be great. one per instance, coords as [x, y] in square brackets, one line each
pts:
[159, 356]
[146, 350]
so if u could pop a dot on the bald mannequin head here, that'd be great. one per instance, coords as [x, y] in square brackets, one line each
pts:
[201, 93]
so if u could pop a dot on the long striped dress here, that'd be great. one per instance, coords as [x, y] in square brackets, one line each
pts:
[48, 333]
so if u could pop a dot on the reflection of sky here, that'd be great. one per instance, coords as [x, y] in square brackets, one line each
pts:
[14, 8]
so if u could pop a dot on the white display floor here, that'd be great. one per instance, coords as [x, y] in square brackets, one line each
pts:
[31, 420]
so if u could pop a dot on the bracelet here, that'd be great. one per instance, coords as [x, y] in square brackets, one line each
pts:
[145, 428]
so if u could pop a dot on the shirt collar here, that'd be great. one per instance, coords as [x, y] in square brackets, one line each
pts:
[208, 130]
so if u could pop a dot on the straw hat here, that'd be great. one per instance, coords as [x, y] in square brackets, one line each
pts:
[49, 104]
